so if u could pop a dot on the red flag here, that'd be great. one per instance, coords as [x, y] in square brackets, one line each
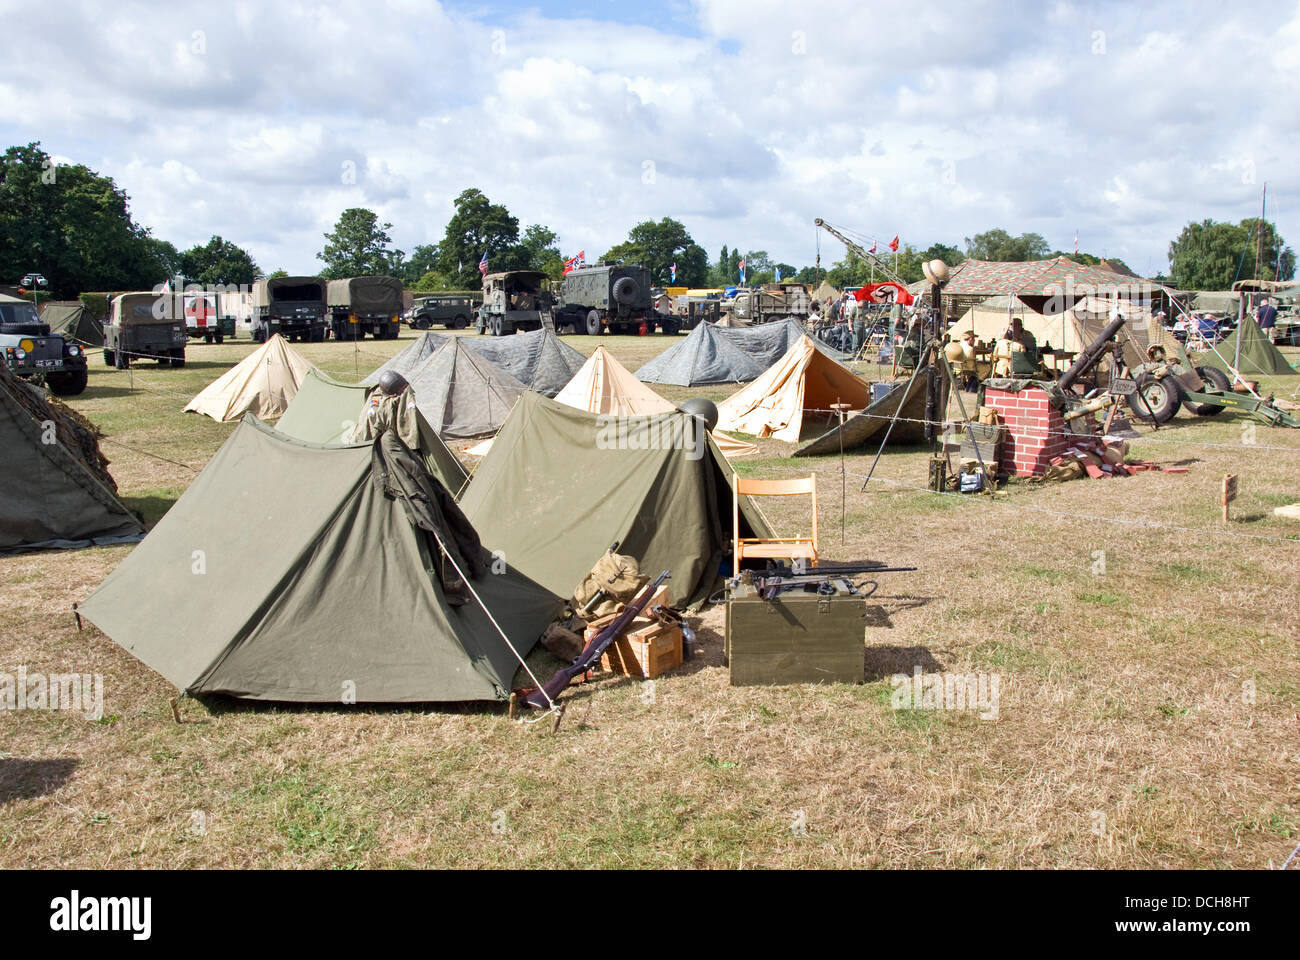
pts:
[886, 291]
[893, 244]
[574, 262]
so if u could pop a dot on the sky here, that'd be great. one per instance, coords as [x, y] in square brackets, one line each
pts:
[744, 119]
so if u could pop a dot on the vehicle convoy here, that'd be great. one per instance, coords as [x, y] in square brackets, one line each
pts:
[203, 320]
[514, 300]
[293, 307]
[144, 326]
[362, 305]
[616, 297]
[36, 354]
[454, 311]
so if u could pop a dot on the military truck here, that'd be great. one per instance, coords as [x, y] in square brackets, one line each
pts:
[361, 305]
[202, 319]
[452, 310]
[613, 296]
[145, 326]
[34, 353]
[514, 300]
[772, 301]
[293, 307]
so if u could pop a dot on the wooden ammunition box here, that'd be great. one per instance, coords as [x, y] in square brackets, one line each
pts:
[645, 653]
[796, 638]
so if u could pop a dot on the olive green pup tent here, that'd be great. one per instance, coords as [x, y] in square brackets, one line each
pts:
[51, 497]
[315, 579]
[1256, 356]
[560, 485]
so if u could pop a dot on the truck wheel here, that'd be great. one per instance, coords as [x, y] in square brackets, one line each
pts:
[207, 338]
[498, 326]
[594, 323]
[460, 322]
[110, 357]
[178, 357]
[1162, 398]
[221, 338]
[1216, 379]
[122, 360]
[68, 384]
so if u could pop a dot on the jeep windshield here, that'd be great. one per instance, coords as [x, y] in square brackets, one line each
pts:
[18, 313]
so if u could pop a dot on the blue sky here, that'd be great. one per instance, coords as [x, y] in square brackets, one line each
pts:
[744, 119]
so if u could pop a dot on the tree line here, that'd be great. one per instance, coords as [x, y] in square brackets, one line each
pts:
[75, 227]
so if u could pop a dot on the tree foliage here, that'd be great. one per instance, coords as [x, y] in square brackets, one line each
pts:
[1212, 255]
[74, 227]
[997, 244]
[358, 246]
[660, 245]
[477, 227]
[218, 262]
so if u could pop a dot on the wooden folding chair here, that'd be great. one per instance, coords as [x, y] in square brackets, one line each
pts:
[776, 548]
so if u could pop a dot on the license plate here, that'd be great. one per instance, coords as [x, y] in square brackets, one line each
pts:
[48, 363]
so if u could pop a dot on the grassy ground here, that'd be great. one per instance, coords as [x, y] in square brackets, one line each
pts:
[1149, 716]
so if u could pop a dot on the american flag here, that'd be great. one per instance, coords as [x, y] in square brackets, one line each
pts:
[482, 264]
[674, 275]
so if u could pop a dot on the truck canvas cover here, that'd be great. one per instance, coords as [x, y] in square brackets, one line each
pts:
[367, 295]
[288, 289]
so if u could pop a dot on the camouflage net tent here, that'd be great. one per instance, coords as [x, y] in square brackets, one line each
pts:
[714, 353]
[57, 489]
[410, 357]
[328, 580]
[461, 394]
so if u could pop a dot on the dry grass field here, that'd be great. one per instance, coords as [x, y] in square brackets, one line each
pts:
[1148, 656]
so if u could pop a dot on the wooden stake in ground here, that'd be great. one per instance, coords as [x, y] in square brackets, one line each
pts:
[1229, 492]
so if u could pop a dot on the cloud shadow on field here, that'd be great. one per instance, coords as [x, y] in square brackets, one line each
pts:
[27, 779]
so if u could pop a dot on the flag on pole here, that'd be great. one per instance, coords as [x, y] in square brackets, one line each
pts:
[893, 244]
[573, 263]
[884, 292]
[673, 277]
[742, 269]
[482, 264]
[1076, 242]
[873, 247]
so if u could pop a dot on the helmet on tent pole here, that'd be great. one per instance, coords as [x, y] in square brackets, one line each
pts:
[706, 410]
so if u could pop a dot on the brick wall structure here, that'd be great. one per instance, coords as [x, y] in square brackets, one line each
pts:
[1035, 430]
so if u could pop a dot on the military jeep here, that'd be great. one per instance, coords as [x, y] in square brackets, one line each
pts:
[34, 353]
[145, 326]
[514, 300]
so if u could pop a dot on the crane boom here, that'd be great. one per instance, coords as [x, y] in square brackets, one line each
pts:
[860, 251]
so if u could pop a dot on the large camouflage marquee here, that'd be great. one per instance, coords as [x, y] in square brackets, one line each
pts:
[1033, 278]
[313, 581]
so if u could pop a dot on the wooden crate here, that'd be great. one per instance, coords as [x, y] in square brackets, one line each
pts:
[645, 652]
[797, 638]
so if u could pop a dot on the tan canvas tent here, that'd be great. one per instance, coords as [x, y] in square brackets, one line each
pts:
[605, 386]
[262, 384]
[804, 379]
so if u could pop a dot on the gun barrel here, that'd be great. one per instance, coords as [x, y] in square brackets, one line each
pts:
[1090, 354]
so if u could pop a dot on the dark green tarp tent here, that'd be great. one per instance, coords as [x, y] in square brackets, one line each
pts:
[73, 322]
[285, 572]
[49, 498]
[1258, 356]
[324, 411]
[560, 485]
[707, 355]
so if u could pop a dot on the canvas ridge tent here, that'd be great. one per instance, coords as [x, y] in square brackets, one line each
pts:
[706, 355]
[318, 586]
[463, 395]
[804, 379]
[327, 412]
[74, 322]
[263, 383]
[51, 497]
[1256, 355]
[905, 400]
[561, 484]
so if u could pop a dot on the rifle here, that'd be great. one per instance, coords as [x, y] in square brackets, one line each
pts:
[827, 580]
[544, 696]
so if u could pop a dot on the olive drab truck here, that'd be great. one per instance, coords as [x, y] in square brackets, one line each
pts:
[365, 305]
[294, 307]
[614, 297]
[453, 310]
[514, 300]
[34, 353]
[772, 301]
[145, 326]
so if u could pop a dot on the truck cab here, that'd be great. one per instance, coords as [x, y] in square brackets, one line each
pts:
[145, 326]
[294, 307]
[514, 300]
[34, 353]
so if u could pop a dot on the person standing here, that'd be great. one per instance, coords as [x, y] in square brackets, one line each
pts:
[1267, 317]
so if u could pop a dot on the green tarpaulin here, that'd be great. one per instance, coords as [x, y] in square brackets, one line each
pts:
[48, 497]
[325, 411]
[74, 322]
[560, 485]
[1257, 355]
[285, 573]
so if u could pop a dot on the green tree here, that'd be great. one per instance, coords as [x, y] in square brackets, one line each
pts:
[997, 244]
[358, 246]
[660, 245]
[276, 274]
[1211, 255]
[538, 250]
[423, 259]
[941, 251]
[478, 227]
[74, 227]
[218, 262]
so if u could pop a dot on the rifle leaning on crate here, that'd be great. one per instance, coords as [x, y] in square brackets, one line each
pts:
[544, 696]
